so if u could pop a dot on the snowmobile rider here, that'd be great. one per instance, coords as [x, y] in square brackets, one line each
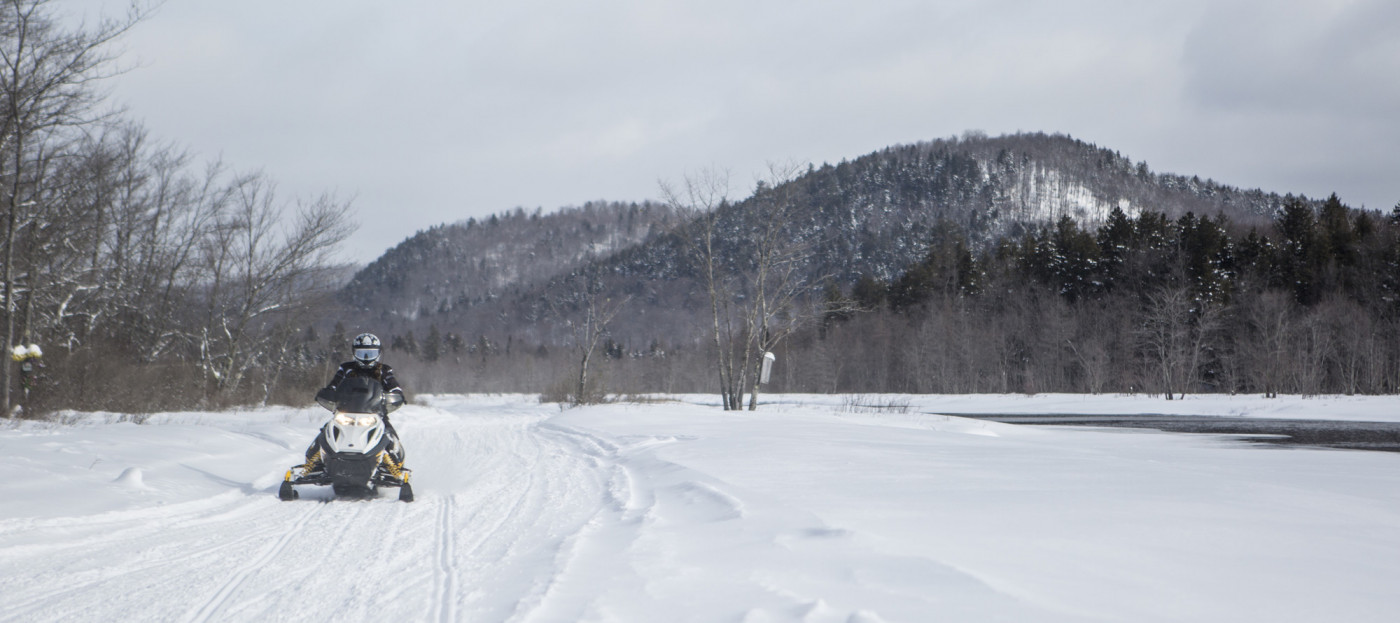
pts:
[365, 364]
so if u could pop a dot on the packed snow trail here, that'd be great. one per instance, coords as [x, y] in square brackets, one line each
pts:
[497, 500]
[677, 511]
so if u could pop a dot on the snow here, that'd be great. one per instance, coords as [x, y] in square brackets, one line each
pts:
[813, 508]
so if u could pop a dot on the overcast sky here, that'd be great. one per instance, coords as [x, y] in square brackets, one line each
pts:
[432, 111]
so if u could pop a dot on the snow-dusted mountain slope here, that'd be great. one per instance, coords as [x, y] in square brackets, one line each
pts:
[874, 215]
[677, 511]
[466, 263]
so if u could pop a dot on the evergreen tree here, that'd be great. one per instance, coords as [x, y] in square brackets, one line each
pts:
[1255, 255]
[870, 293]
[1074, 260]
[948, 270]
[1115, 239]
[1363, 227]
[1151, 231]
[1301, 252]
[1205, 252]
[337, 342]
[1337, 231]
[432, 347]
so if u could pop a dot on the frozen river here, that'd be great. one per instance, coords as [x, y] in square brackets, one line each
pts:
[1341, 434]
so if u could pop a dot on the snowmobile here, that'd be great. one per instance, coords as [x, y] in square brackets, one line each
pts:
[353, 447]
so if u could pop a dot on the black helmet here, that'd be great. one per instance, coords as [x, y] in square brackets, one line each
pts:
[366, 349]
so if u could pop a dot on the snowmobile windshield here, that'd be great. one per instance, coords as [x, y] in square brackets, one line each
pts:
[359, 395]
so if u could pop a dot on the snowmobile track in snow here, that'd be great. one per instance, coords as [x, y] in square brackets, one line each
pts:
[216, 602]
[678, 512]
[131, 531]
[447, 571]
[25, 606]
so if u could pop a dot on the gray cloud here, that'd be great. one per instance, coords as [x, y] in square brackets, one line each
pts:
[1298, 57]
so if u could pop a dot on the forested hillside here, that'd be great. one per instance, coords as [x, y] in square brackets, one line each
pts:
[1020, 263]
[870, 216]
[457, 265]
[1307, 303]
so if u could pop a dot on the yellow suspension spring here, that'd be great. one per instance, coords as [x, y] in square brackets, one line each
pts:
[306, 467]
[395, 469]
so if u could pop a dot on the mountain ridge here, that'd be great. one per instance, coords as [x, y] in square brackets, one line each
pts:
[471, 261]
[870, 216]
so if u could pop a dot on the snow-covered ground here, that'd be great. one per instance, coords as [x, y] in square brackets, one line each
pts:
[814, 508]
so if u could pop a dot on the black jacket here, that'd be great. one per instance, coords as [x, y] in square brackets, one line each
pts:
[379, 371]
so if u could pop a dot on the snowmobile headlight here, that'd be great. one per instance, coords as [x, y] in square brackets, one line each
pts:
[343, 419]
[365, 420]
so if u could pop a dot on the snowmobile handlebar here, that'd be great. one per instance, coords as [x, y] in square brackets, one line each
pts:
[359, 395]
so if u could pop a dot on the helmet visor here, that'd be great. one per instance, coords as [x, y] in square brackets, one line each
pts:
[366, 354]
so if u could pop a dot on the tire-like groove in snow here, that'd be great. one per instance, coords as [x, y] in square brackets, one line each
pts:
[212, 606]
[132, 525]
[508, 503]
[129, 530]
[447, 571]
[13, 609]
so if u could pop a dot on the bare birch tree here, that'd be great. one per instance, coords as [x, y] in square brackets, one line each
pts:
[699, 204]
[754, 267]
[775, 305]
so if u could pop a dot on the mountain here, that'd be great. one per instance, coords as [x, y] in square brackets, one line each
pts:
[872, 216]
[457, 265]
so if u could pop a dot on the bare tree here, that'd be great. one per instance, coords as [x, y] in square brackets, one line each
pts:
[262, 273]
[47, 88]
[123, 221]
[110, 242]
[754, 269]
[776, 304]
[1176, 331]
[1354, 339]
[1270, 323]
[699, 205]
[1094, 361]
[587, 308]
[1313, 350]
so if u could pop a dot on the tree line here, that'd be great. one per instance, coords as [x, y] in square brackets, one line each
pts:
[151, 280]
[1309, 304]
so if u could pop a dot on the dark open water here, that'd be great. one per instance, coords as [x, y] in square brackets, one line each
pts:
[1379, 436]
